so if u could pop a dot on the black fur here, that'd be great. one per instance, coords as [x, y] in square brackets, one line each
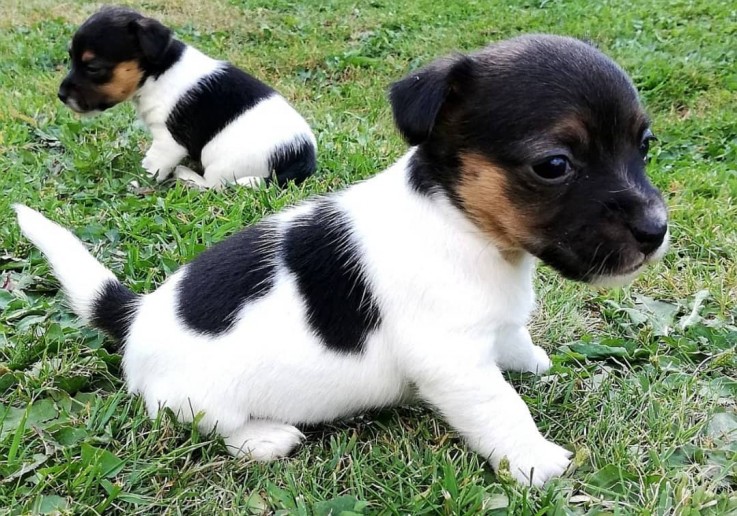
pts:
[319, 250]
[153, 38]
[418, 98]
[292, 162]
[216, 101]
[225, 277]
[115, 35]
[113, 309]
[516, 104]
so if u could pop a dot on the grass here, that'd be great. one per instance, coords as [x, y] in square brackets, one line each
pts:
[645, 381]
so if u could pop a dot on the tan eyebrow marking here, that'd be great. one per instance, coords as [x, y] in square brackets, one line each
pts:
[571, 128]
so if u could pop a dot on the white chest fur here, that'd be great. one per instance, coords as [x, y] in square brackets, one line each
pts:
[158, 95]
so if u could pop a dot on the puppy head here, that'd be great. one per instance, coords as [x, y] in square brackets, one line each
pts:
[542, 142]
[111, 55]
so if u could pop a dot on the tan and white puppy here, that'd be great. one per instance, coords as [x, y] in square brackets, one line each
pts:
[238, 128]
[418, 280]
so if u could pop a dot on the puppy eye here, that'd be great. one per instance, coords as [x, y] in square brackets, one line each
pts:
[94, 69]
[647, 137]
[554, 167]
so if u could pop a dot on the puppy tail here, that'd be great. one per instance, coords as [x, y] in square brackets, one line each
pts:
[93, 291]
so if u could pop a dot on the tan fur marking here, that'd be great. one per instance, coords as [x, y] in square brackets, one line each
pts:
[126, 77]
[482, 190]
[572, 127]
[88, 55]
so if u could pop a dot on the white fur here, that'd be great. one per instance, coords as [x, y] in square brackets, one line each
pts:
[453, 316]
[79, 273]
[240, 150]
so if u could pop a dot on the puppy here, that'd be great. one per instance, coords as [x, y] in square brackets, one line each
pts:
[237, 127]
[417, 281]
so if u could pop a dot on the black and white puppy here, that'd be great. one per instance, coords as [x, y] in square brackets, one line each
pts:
[417, 281]
[237, 127]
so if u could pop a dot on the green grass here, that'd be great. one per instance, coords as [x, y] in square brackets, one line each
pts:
[645, 383]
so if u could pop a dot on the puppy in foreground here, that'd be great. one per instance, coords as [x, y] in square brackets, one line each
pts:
[237, 127]
[416, 283]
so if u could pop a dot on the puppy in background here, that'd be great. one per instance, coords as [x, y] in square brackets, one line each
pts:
[416, 281]
[237, 127]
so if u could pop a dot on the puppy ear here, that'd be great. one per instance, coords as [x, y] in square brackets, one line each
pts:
[418, 98]
[153, 37]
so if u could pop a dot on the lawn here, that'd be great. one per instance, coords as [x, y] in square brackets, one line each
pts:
[644, 387]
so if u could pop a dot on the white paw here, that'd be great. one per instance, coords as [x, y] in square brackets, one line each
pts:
[149, 165]
[539, 361]
[264, 441]
[250, 181]
[154, 168]
[538, 462]
[190, 177]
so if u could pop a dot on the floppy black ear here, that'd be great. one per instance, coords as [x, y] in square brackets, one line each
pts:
[417, 99]
[153, 38]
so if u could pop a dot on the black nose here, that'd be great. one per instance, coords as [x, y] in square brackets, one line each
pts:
[649, 234]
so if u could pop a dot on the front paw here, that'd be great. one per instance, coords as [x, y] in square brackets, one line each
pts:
[149, 165]
[536, 463]
[154, 168]
[539, 361]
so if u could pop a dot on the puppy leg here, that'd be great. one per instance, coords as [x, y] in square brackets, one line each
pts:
[514, 351]
[263, 440]
[165, 153]
[474, 398]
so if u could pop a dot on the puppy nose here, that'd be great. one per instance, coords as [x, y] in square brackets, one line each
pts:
[649, 234]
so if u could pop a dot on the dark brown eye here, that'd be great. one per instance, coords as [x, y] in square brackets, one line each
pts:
[95, 69]
[647, 137]
[554, 167]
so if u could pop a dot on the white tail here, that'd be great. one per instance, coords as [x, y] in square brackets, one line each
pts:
[82, 277]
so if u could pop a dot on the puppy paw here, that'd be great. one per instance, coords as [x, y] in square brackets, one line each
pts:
[539, 462]
[150, 165]
[250, 181]
[539, 361]
[264, 441]
[155, 168]
[190, 177]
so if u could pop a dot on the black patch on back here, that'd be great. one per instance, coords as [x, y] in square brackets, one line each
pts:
[294, 161]
[318, 249]
[113, 309]
[212, 104]
[217, 283]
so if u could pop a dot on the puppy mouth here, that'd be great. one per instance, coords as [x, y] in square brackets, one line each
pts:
[625, 275]
[75, 106]
[631, 269]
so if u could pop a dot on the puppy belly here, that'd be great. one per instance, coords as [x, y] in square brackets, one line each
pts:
[268, 366]
[231, 388]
